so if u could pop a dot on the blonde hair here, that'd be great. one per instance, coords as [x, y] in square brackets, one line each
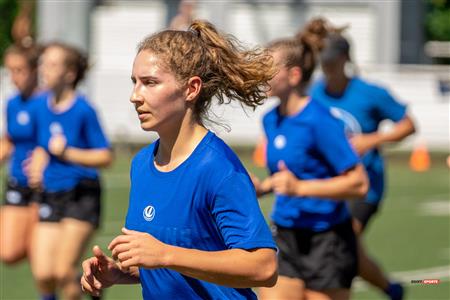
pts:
[228, 71]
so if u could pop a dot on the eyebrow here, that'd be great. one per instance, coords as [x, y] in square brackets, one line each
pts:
[145, 77]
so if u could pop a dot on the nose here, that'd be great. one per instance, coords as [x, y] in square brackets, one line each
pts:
[136, 97]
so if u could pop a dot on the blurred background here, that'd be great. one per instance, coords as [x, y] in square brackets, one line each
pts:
[401, 44]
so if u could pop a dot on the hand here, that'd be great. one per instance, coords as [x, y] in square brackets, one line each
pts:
[261, 187]
[57, 145]
[99, 272]
[362, 143]
[138, 249]
[284, 182]
[34, 166]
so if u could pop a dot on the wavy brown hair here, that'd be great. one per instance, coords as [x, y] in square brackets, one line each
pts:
[228, 71]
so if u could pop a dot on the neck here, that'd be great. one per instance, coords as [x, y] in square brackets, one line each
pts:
[293, 104]
[177, 143]
[339, 85]
[62, 98]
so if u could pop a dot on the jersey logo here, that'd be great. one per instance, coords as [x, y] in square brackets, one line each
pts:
[351, 125]
[13, 197]
[280, 141]
[23, 118]
[45, 211]
[55, 128]
[149, 213]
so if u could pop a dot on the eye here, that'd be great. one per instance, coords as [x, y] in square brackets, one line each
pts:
[149, 82]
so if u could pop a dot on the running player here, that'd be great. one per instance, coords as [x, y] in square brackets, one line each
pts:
[18, 214]
[313, 170]
[194, 229]
[70, 135]
[362, 106]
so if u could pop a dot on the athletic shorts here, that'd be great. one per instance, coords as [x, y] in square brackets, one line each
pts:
[362, 211]
[81, 203]
[323, 260]
[17, 195]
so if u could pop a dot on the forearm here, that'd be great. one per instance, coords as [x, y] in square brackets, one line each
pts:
[265, 187]
[401, 130]
[351, 185]
[88, 157]
[6, 149]
[235, 267]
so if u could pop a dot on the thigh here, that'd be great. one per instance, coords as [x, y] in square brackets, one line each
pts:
[74, 237]
[286, 288]
[15, 225]
[46, 238]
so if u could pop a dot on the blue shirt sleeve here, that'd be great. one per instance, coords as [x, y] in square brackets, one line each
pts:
[333, 144]
[92, 130]
[386, 107]
[238, 216]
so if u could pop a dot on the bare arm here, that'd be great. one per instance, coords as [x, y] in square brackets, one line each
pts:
[35, 165]
[235, 267]
[86, 157]
[364, 142]
[6, 148]
[352, 184]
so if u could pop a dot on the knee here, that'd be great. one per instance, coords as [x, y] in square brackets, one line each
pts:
[11, 257]
[64, 275]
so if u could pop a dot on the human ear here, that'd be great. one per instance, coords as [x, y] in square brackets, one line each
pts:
[194, 86]
[295, 76]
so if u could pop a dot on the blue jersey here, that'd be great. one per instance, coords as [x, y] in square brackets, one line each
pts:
[313, 145]
[206, 203]
[362, 107]
[80, 126]
[21, 130]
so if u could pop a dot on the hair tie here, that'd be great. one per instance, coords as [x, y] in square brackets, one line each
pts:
[194, 32]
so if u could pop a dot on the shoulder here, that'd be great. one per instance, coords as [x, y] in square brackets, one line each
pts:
[271, 115]
[218, 159]
[317, 86]
[370, 87]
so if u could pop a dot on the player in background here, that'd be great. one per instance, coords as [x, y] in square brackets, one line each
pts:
[313, 170]
[362, 106]
[19, 211]
[72, 140]
[194, 229]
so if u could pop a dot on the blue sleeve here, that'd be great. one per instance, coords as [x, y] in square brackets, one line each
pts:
[333, 144]
[238, 216]
[387, 107]
[94, 134]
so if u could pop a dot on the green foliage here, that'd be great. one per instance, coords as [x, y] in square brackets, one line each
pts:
[438, 20]
[8, 11]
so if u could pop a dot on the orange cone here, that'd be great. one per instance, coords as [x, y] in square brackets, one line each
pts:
[420, 158]
[259, 154]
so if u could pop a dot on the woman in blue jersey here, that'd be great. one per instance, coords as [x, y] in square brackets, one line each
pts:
[362, 106]
[69, 134]
[312, 171]
[194, 229]
[18, 214]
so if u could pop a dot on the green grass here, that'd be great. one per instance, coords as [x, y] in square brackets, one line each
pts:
[402, 237]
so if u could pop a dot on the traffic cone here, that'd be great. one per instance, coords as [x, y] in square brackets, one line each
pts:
[259, 154]
[420, 158]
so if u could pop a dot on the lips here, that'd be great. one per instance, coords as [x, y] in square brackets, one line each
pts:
[143, 115]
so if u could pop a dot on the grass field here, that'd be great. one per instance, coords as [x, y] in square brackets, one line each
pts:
[410, 236]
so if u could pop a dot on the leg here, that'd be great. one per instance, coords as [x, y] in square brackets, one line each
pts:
[74, 237]
[330, 294]
[15, 223]
[45, 239]
[286, 289]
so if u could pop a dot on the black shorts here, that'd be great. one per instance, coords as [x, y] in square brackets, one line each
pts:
[81, 203]
[17, 195]
[323, 260]
[362, 211]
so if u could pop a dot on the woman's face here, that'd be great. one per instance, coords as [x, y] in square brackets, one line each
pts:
[279, 84]
[52, 67]
[157, 95]
[21, 74]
